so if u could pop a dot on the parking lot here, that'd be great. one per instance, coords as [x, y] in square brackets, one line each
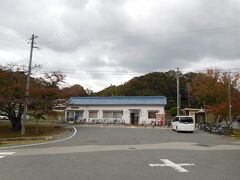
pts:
[127, 153]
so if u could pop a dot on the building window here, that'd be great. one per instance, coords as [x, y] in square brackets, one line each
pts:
[107, 114]
[152, 114]
[70, 115]
[117, 114]
[93, 114]
[112, 114]
[78, 115]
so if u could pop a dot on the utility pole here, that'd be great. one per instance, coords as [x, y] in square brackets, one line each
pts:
[229, 99]
[27, 85]
[204, 107]
[178, 94]
[111, 89]
[188, 89]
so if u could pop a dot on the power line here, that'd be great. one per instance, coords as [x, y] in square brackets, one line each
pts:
[205, 70]
[11, 37]
[148, 35]
[15, 40]
[134, 36]
[138, 72]
[116, 72]
[99, 74]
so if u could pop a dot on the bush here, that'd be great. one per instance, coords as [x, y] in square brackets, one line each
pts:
[173, 111]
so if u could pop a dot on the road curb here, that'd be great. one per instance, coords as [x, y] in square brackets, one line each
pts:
[26, 138]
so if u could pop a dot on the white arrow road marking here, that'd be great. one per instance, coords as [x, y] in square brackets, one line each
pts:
[175, 166]
[3, 154]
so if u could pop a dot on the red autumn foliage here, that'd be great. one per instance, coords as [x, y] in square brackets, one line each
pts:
[43, 92]
[212, 88]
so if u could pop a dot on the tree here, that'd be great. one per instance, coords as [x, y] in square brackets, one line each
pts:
[46, 91]
[173, 111]
[89, 92]
[75, 90]
[153, 84]
[12, 94]
[212, 89]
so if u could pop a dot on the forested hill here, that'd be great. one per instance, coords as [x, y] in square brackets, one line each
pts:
[153, 84]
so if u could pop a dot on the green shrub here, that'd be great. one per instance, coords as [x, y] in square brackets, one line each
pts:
[173, 111]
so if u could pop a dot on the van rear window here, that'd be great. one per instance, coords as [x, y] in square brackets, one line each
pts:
[186, 120]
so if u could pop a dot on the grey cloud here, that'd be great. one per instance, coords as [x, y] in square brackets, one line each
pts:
[102, 35]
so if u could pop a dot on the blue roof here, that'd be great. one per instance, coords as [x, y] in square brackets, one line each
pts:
[118, 100]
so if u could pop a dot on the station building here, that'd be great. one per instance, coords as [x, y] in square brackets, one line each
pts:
[127, 109]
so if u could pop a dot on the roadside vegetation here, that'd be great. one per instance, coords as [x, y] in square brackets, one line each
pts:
[236, 133]
[209, 90]
[206, 89]
[46, 131]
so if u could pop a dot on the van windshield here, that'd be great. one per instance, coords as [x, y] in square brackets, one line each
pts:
[186, 120]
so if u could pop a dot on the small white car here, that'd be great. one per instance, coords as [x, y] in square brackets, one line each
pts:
[183, 123]
[3, 117]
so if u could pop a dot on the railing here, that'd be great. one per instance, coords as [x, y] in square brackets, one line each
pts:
[93, 121]
[116, 121]
[156, 123]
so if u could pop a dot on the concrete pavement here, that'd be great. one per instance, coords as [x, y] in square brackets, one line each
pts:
[118, 153]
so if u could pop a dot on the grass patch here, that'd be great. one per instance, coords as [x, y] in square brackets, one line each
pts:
[45, 129]
[236, 133]
[7, 143]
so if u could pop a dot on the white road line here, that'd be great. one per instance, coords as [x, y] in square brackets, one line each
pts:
[175, 166]
[36, 144]
[6, 153]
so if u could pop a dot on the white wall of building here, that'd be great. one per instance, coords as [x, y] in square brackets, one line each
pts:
[143, 111]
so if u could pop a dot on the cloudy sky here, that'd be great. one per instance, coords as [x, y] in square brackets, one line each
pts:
[97, 43]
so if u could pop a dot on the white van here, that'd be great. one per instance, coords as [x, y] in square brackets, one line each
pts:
[183, 123]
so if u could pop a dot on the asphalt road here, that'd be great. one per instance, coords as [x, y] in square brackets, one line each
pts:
[125, 153]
